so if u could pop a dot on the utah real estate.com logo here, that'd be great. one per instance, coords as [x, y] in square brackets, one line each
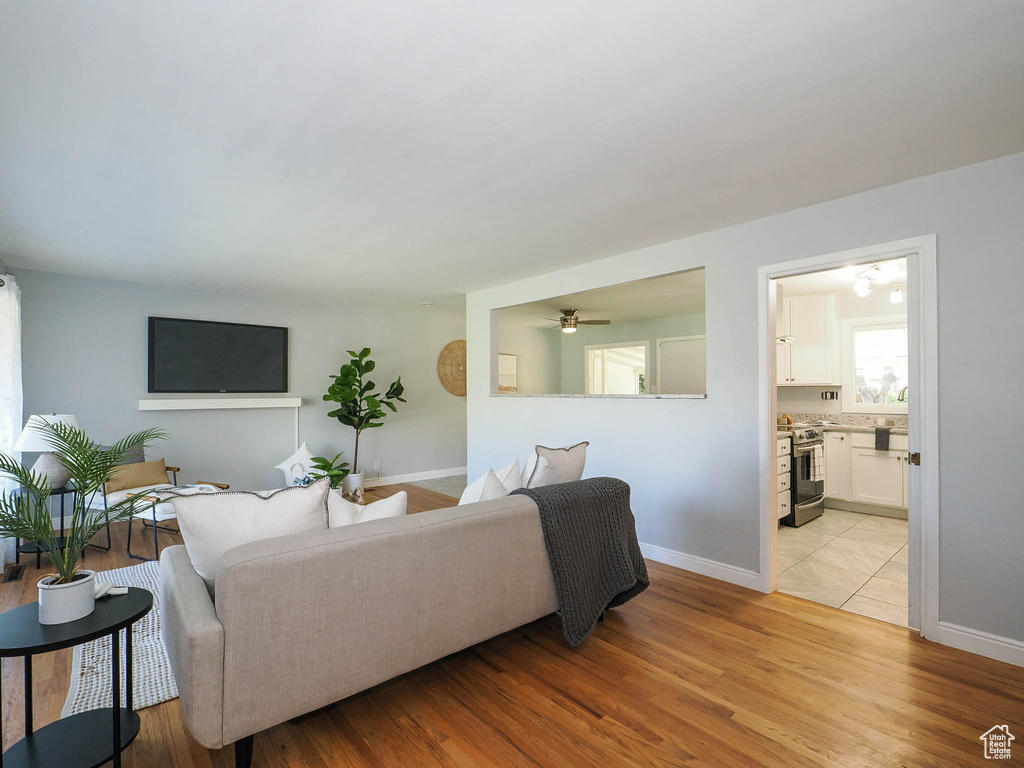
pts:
[997, 742]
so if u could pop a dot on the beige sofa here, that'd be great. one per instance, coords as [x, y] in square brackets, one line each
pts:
[300, 622]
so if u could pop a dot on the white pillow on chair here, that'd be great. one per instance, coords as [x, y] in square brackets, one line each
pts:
[549, 466]
[344, 512]
[213, 523]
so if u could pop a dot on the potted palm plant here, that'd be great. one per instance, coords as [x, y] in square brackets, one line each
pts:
[359, 406]
[25, 513]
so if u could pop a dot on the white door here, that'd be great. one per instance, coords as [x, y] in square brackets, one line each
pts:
[836, 466]
[811, 357]
[877, 477]
[682, 366]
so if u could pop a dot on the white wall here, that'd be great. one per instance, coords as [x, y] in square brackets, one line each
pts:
[693, 464]
[539, 355]
[85, 352]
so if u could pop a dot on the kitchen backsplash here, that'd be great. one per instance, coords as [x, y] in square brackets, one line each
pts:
[850, 419]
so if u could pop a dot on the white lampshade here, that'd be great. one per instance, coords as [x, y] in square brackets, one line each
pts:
[32, 439]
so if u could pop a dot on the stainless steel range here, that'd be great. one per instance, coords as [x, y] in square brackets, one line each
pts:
[808, 479]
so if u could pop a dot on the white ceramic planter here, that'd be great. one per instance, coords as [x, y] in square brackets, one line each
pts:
[352, 481]
[59, 603]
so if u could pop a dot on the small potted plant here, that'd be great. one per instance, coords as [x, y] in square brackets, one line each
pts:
[322, 467]
[25, 514]
[359, 406]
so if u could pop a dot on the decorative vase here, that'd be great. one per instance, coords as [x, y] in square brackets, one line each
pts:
[352, 481]
[59, 603]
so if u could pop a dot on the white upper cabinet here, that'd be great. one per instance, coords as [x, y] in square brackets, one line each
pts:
[814, 355]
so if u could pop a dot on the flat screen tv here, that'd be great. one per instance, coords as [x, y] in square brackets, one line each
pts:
[205, 356]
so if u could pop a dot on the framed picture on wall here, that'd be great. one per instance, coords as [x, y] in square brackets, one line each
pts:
[508, 374]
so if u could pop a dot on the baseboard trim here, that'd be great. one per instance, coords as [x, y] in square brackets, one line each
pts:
[413, 477]
[716, 570]
[982, 643]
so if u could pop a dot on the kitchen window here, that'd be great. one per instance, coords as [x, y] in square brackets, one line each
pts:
[875, 365]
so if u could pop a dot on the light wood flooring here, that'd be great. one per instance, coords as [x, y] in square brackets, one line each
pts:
[693, 672]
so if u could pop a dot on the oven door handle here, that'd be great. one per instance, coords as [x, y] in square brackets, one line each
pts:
[812, 503]
[806, 447]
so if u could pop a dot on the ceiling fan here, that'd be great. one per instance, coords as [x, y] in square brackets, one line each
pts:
[568, 322]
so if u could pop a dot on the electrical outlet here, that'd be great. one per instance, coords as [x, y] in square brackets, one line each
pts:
[376, 465]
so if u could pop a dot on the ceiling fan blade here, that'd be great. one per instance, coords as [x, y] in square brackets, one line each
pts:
[554, 319]
[594, 322]
[554, 328]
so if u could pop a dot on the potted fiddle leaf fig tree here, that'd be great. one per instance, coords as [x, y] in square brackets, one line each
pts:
[359, 406]
[25, 513]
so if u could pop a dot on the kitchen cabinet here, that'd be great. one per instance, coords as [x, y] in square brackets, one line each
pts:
[855, 471]
[837, 466]
[878, 477]
[814, 356]
[783, 503]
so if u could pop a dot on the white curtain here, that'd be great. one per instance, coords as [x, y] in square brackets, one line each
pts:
[10, 386]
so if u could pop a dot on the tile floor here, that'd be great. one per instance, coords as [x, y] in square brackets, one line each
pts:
[848, 560]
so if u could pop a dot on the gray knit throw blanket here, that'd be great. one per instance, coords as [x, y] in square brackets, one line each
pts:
[590, 535]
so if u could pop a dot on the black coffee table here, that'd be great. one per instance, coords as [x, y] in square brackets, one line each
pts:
[88, 739]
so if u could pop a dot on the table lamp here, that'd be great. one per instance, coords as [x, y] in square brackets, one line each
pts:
[33, 440]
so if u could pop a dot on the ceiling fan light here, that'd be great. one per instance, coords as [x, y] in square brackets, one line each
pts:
[568, 329]
[862, 286]
[896, 297]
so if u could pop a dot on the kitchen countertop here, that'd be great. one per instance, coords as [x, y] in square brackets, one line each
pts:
[864, 428]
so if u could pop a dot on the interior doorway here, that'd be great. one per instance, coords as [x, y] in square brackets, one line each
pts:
[848, 366]
[842, 392]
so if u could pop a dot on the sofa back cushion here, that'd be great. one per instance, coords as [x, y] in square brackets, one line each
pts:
[213, 523]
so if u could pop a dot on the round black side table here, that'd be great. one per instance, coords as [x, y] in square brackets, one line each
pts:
[88, 739]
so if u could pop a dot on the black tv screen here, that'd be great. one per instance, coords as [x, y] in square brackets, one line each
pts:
[205, 356]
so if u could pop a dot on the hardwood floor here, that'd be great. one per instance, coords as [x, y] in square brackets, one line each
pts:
[693, 672]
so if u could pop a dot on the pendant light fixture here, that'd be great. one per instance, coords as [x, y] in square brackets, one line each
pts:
[896, 297]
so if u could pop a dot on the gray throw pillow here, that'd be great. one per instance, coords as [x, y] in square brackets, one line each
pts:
[557, 465]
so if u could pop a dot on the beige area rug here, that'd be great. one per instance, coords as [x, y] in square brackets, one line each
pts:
[152, 678]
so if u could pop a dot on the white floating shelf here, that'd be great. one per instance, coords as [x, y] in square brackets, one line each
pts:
[214, 403]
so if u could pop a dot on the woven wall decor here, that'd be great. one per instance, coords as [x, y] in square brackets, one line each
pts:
[451, 367]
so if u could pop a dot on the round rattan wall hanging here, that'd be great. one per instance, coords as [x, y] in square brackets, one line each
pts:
[451, 367]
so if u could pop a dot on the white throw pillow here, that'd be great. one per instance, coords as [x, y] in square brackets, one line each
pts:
[556, 465]
[345, 512]
[485, 487]
[510, 477]
[213, 523]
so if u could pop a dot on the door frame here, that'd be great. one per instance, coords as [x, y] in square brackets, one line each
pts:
[694, 337]
[924, 502]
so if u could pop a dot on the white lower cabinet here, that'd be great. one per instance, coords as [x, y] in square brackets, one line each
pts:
[855, 471]
[784, 508]
[837, 466]
[878, 477]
